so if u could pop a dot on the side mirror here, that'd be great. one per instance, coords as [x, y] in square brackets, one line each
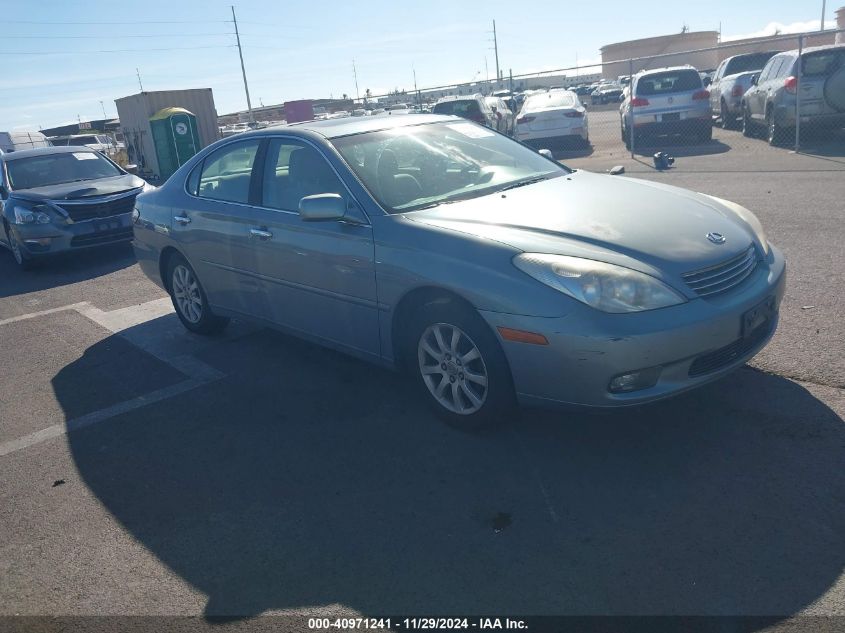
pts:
[707, 81]
[547, 153]
[322, 207]
[131, 169]
[754, 79]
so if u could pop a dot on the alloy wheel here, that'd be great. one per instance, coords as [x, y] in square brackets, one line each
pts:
[187, 293]
[452, 368]
[16, 249]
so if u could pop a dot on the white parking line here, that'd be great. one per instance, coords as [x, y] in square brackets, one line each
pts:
[120, 322]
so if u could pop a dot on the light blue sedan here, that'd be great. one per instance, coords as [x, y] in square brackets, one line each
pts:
[490, 273]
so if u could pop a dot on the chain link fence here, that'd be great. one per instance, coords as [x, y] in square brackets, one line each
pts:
[787, 91]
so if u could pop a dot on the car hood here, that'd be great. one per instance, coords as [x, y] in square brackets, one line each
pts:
[84, 189]
[655, 228]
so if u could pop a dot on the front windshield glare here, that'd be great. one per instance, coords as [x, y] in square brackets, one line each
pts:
[414, 167]
[54, 169]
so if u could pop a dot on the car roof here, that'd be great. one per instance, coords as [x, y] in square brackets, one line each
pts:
[347, 126]
[460, 98]
[41, 151]
[653, 71]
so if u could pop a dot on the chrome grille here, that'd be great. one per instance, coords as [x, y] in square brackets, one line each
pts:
[98, 208]
[723, 276]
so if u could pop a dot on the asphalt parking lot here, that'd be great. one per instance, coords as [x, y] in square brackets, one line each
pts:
[144, 470]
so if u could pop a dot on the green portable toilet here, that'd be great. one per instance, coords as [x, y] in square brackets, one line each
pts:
[175, 138]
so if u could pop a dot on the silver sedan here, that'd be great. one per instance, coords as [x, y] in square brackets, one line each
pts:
[493, 275]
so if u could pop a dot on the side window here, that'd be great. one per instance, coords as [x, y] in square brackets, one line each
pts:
[226, 173]
[718, 74]
[786, 68]
[194, 180]
[294, 170]
[771, 69]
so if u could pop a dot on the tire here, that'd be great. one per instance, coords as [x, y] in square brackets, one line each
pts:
[23, 262]
[189, 299]
[446, 344]
[726, 121]
[774, 132]
[747, 123]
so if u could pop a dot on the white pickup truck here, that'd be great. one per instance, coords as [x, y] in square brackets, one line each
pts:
[730, 81]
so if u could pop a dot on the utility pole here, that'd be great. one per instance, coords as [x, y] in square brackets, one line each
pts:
[821, 26]
[355, 73]
[419, 101]
[138, 72]
[104, 113]
[243, 69]
[496, 48]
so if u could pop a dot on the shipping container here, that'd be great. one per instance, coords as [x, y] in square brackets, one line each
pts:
[136, 111]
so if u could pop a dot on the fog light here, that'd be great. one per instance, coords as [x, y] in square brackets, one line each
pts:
[41, 241]
[635, 380]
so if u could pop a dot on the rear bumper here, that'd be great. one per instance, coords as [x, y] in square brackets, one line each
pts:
[540, 138]
[692, 344]
[785, 116]
[43, 240]
[682, 126]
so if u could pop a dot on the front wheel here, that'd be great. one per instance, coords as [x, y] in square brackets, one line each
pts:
[727, 121]
[189, 299]
[460, 367]
[23, 262]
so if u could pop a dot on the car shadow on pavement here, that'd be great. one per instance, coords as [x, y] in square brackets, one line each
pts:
[824, 144]
[62, 269]
[305, 478]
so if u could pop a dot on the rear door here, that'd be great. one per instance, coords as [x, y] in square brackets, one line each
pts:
[756, 99]
[212, 226]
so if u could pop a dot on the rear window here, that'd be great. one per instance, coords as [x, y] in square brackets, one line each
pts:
[459, 108]
[747, 63]
[670, 81]
[83, 140]
[824, 62]
[553, 99]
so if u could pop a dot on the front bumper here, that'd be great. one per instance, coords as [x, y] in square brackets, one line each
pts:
[41, 240]
[587, 348]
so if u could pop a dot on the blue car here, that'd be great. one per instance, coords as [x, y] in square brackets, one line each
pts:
[490, 273]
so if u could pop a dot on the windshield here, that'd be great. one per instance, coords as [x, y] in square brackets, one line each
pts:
[54, 169]
[747, 63]
[413, 167]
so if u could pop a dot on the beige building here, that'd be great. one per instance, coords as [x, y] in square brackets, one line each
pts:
[701, 50]
[615, 57]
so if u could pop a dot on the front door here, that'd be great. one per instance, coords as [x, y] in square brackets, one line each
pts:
[319, 277]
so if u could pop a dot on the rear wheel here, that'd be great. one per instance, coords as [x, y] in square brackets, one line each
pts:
[774, 132]
[459, 366]
[189, 299]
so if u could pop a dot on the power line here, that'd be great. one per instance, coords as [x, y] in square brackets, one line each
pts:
[107, 37]
[115, 50]
[124, 22]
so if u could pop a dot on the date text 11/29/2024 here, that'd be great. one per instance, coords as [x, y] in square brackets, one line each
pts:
[417, 624]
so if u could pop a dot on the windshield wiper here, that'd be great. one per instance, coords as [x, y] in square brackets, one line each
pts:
[522, 183]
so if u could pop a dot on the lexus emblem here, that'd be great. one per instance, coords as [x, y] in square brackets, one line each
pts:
[716, 238]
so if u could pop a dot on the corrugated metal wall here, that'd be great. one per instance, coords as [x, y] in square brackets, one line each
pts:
[135, 112]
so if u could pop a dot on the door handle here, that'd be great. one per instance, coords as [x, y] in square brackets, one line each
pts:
[182, 219]
[260, 234]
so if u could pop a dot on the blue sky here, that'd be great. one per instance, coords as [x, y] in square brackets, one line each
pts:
[297, 49]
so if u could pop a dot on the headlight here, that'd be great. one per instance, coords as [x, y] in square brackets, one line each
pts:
[23, 215]
[749, 218]
[603, 286]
